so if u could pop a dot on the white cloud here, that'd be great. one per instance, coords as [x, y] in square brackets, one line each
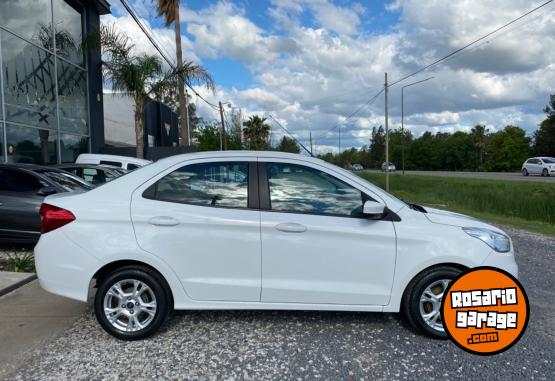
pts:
[313, 77]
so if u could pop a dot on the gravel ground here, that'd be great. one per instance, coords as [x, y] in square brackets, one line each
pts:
[254, 345]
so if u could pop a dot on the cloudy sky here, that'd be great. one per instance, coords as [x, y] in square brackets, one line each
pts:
[311, 63]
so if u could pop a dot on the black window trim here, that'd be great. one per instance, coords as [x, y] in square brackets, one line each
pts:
[253, 200]
[265, 203]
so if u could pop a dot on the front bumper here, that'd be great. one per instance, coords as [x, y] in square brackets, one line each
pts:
[503, 261]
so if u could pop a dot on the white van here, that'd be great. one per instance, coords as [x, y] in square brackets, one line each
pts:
[125, 162]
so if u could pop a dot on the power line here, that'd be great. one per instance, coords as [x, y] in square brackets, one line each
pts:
[290, 134]
[470, 44]
[159, 49]
[351, 115]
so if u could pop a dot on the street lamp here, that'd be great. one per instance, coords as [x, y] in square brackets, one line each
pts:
[403, 121]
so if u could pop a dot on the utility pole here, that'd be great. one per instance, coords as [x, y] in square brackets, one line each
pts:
[339, 140]
[187, 115]
[311, 151]
[386, 138]
[403, 128]
[222, 129]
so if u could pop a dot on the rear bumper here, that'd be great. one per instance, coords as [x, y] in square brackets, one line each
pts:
[63, 268]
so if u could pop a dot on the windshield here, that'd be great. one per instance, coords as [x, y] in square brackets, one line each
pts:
[67, 181]
[548, 160]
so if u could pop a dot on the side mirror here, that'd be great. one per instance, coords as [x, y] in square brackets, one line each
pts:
[373, 210]
[46, 191]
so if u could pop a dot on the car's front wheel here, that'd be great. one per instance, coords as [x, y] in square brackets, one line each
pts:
[132, 303]
[422, 300]
[545, 173]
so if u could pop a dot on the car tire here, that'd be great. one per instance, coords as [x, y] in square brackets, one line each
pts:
[418, 303]
[545, 173]
[524, 172]
[132, 302]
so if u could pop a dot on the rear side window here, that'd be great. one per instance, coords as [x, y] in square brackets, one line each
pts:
[17, 181]
[93, 175]
[132, 167]
[113, 163]
[208, 184]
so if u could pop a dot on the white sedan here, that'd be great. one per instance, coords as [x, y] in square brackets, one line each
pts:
[254, 230]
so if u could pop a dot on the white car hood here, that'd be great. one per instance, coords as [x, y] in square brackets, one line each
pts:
[445, 217]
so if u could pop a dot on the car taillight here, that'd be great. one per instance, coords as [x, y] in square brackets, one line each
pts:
[52, 217]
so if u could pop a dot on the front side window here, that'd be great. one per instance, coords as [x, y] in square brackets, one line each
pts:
[300, 189]
[207, 184]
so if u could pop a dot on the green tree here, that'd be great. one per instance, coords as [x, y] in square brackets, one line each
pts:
[287, 144]
[507, 149]
[208, 137]
[377, 147]
[544, 137]
[140, 76]
[257, 133]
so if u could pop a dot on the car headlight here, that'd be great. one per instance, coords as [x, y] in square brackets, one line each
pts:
[497, 241]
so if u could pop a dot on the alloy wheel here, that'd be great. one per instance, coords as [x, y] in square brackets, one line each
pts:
[430, 304]
[130, 305]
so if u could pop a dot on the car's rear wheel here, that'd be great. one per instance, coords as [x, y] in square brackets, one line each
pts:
[422, 300]
[132, 303]
[524, 172]
[545, 173]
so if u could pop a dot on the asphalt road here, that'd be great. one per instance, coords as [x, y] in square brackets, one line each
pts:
[511, 176]
[253, 345]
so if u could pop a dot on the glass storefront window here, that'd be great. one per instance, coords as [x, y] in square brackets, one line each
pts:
[31, 145]
[72, 98]
[1, 142]
[69, 31]
[71, 146]
[30, 19]
[29, 83]
[44, 116]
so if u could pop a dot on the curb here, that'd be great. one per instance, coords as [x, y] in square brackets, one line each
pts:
[18, 284]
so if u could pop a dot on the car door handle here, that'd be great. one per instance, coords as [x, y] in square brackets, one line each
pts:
[291, 227]
[163, 221]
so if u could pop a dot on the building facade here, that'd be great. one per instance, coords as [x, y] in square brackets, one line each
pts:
[50, 83]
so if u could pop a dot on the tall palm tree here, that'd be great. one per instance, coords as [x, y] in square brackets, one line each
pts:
[169, 9]
[140, 76]
[257, 133]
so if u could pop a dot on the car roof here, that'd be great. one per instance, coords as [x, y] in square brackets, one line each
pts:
[84, 165]
[108, 157]
[237, 153]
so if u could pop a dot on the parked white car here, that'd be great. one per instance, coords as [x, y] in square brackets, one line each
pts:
[389, 168]
[255, 230]
[125, 162]
[357, 167]
[544, 166]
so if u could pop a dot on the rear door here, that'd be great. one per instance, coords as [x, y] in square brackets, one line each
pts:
[202, 219]
[19, 203]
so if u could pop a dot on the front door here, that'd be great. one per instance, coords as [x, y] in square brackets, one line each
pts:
[202, 219]
[317, 248]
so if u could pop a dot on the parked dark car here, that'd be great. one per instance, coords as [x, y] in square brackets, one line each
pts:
[22, 189]
[92, 173]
